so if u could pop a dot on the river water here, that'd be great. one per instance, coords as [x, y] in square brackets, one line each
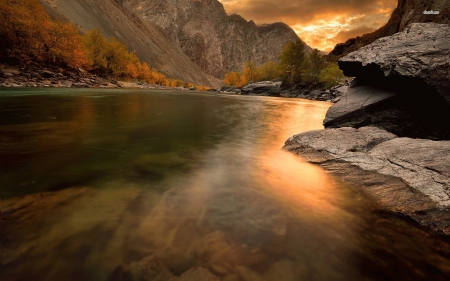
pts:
[145, 185]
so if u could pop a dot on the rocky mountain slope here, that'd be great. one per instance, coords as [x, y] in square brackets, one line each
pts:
[192, 40]
[216, 42]
[407, 12]
[150, 43]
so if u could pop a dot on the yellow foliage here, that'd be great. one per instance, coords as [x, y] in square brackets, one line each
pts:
[232, 78]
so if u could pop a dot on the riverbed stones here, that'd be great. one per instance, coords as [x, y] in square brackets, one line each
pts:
[197, 274]
[409, 176]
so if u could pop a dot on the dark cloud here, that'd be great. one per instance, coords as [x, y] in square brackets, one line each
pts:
[321, 23]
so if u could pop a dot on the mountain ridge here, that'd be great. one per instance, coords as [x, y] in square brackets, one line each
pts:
[191, 40]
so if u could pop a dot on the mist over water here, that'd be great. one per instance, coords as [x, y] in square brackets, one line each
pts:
[145, 185]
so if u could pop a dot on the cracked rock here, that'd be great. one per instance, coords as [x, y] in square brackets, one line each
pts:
[412, 175]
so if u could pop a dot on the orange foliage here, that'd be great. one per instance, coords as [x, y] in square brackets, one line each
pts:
[28, 34]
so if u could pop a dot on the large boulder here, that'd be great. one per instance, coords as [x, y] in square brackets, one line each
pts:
[264, 88]
[408, 115]
[408, 176]
[414, 60]
[402, 85]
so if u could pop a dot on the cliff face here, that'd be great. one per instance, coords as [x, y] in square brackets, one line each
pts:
[407, 12]
[214, 41]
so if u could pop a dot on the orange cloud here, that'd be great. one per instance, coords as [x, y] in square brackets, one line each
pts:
[320, 23]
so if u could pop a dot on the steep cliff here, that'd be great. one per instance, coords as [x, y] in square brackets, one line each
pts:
[216, 42]
[407, 12]
[150, 43]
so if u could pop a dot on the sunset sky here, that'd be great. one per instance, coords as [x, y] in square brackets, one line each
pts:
[320, 23]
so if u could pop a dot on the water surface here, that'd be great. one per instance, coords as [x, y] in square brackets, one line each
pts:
[145, 185]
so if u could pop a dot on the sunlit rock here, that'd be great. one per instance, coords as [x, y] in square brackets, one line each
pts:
[422, 165]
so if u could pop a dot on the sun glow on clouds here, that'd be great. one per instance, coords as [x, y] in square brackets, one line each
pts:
[322, 33]
[320, 23]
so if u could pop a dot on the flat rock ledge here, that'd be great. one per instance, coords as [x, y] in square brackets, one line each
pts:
[408, 176]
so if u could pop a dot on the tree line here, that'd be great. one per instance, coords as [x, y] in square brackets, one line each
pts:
[294, 67]
[28, 34]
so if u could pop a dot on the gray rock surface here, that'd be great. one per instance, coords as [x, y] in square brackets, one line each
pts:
[263, 88]
[407, 84]
[421, 53]
[409, 176]
[352, 109]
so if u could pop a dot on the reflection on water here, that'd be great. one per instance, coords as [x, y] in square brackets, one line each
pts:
[147, 185]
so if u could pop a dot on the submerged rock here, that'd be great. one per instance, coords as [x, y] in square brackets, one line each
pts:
[409, 176]
[197, 274]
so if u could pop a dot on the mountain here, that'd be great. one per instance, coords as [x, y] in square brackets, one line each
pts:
[192, 40]
[407, 12]
[216, 42]
[147, 39]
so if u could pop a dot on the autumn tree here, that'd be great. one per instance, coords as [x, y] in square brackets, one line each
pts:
[232, 78]
[28, 33]
[96, 45]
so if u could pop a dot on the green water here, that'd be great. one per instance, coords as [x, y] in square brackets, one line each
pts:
[145, 185]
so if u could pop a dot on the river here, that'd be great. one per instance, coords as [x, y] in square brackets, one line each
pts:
[145, 185]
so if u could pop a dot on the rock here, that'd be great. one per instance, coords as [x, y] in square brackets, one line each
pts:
[80, 85]
[197, 274]
[9, 72]
[150, 268]
[66, 83]
[402, 85]
[315, 94]
[352, 109]
[264, 88]
[405, 61]
[340, 90]
[336, 100]
[47, 74]
[225, 89]
[35, 75]
[410, 176]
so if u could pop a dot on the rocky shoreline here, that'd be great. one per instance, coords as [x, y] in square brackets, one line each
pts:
[275, 89]
[77, 78]
[46, 77]
[390, 133]
[407, 176]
